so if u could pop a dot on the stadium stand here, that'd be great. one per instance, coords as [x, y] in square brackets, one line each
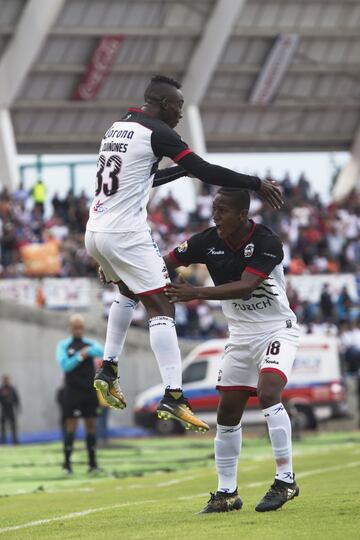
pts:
[318, 238]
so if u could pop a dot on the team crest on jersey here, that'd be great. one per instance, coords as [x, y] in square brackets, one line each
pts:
[249, 250]
[182, 247]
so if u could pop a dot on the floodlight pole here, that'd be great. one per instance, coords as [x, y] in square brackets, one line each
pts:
[9, 173]
[349, 176]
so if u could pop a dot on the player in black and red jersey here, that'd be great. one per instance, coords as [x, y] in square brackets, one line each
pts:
[244, 260]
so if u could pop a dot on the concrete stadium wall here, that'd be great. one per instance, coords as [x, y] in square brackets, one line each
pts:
[29, 337]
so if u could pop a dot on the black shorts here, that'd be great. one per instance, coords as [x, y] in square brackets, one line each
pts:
[76, 404]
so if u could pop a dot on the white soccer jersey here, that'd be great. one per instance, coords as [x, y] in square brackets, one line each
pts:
[268, 307]
[128, 159]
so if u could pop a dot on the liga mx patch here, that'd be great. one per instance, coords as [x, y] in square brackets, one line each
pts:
[182, 247]
[249, 250]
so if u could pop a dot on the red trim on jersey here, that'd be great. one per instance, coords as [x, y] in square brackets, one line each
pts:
[137, 109]
[251, 389]
[274, 370]
[236, 248]
[176, 260]
[257, 272]
[154, 291]
[182, 154]
[210, 351]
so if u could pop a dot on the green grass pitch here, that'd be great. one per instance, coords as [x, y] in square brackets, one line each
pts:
[152, 489]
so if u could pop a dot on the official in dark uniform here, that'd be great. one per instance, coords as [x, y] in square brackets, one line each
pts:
[10, 403]
[75, 356]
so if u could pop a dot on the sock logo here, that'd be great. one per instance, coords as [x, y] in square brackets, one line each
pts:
[131, 304]
[230, 429]
[161, 321]
[278, 409]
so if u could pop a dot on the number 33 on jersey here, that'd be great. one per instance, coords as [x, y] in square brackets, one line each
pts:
[128, 159]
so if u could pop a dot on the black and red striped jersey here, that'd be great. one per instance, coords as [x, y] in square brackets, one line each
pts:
[260, 253]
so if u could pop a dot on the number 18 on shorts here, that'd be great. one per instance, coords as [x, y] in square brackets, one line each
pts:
[243, 361]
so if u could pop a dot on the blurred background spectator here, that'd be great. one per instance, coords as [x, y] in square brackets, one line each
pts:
[318, 239]
[9, 405]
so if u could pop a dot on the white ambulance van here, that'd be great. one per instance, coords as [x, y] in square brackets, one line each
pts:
[316, 389]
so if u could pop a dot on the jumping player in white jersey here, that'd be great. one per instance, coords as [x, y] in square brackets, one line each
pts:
[244, 261]
[119, 238]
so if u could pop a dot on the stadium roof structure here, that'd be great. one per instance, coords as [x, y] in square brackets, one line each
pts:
[264, 75]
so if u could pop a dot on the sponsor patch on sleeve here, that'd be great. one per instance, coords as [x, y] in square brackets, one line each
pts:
[182, 247]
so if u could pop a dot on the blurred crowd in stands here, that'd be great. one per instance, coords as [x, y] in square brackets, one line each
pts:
[318, 238]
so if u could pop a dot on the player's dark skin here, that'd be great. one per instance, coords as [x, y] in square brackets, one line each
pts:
[233, 225]
[165, 102]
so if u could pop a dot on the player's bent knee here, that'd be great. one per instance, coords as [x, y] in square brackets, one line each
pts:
[268, 397]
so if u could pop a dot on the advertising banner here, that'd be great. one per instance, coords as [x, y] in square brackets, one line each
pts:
[41, 259]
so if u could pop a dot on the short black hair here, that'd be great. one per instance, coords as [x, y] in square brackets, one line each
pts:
[162, 79]
[155, 90]
[240, 197]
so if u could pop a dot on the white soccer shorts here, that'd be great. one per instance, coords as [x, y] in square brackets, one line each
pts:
[131, 257]
[272, 351]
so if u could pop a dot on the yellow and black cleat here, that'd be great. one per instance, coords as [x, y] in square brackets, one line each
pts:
[175, 406]
[222, 502]
[107, 386]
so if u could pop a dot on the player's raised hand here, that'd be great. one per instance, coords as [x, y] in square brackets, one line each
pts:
[181, 291]
[271, 193]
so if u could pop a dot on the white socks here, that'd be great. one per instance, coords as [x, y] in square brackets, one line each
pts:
[279, 425]
[227, 446]
[120, 316]
[163, 340]
[164, 343]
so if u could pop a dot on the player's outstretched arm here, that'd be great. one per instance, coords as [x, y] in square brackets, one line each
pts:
[164, 176]
[166, 142]
[222, 176]
[182, 291]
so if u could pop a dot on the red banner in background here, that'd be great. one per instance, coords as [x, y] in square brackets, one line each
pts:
[98, 69]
